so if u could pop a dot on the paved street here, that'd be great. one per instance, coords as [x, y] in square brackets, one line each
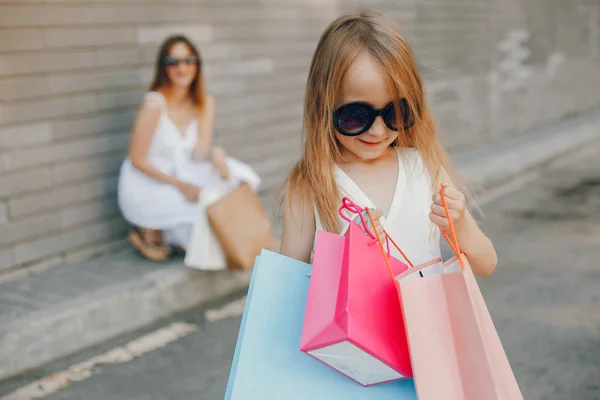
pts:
[544, 298]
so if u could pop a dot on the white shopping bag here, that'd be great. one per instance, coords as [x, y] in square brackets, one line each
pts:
[204, 251]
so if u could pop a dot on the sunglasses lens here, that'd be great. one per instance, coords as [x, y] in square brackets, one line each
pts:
[168, 60]
[352, 119]
[408, 119]
[389, 117]
[171, 61]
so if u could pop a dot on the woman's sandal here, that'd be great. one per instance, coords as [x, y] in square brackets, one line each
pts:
[179, 250]
[153, 252]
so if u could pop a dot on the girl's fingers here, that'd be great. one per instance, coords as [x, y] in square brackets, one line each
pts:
[438, 210]
[441, 212]
[441, 222]
[376, 214]
[452, 204]
[454, 194]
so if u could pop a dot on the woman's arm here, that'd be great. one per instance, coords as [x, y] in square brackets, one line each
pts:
[143, 130]
[205, 130]
[204, 149]
[298, 230]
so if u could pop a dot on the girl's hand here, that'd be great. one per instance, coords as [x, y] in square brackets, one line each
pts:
[189, 191]
[456, 206]
[376, 215]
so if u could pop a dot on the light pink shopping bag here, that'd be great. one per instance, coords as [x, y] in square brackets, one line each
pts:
[456, 352]
[353, 321]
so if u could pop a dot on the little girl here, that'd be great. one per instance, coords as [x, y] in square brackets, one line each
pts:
[369, 136]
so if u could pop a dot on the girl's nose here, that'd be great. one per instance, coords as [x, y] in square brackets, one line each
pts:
[378, 128]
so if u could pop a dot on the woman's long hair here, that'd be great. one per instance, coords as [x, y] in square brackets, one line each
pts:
[312, 180]
[161, 78]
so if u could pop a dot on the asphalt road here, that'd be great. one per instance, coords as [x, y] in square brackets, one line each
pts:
[544, 298]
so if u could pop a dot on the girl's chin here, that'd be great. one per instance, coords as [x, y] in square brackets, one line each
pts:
[366, 153]
[181, 83]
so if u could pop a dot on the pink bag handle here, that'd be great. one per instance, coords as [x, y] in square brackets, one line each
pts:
[348, 204]
[351, 206]
[385, 256]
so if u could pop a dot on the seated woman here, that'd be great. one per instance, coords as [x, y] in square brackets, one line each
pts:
[171, 157]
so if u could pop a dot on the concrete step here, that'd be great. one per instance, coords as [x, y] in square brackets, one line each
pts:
[67, 308]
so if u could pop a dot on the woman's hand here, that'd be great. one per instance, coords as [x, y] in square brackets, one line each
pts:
[189, 191]
[456, 206]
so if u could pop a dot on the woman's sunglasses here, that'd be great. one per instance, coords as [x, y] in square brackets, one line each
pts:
[353, 119]
[170, 61]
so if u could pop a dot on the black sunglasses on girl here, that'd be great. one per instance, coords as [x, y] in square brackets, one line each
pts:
[172, 61]
[356, 118]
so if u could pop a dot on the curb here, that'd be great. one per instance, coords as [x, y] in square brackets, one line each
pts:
[40, 338]
[500, 161]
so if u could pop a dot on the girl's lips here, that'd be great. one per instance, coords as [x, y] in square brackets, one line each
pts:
[370, 144]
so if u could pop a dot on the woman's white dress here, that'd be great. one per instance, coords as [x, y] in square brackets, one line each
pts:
[149, 203]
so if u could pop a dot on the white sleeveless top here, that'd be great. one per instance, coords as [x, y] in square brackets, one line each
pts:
[408, 220]
[171, 152]
[171, 149]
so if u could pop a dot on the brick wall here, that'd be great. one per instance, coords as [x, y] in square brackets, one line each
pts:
[73, 73]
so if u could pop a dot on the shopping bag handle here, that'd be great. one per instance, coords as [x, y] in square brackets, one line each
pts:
[348, 204]
[452, 242]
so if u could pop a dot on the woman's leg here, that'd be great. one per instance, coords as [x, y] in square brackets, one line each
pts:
[149, 243]
[179, 237]
[151, 235]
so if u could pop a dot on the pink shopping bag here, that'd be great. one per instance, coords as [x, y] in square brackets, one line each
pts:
[456, 352]
[353, 321]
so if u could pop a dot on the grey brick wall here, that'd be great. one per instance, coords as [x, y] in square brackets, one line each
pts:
[73, 73]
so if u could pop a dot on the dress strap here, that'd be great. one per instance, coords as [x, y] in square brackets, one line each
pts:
[159, 98]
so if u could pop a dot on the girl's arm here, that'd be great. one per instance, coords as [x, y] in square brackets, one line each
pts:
[141, 137]
[477, 246]
[298, 229]
[472, 241]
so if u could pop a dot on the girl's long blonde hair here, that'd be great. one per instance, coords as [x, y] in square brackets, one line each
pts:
[312, 180]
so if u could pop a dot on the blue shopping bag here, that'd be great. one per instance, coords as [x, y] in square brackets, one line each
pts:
[268, 363]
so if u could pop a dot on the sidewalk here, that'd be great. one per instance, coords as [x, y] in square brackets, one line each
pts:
[64, 309]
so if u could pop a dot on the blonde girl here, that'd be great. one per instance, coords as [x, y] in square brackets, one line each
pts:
[369, 135]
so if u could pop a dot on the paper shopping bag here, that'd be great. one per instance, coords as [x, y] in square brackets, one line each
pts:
[204, 251]
[242, 226]
[353, 320]
[267, 364]
[456, 351]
